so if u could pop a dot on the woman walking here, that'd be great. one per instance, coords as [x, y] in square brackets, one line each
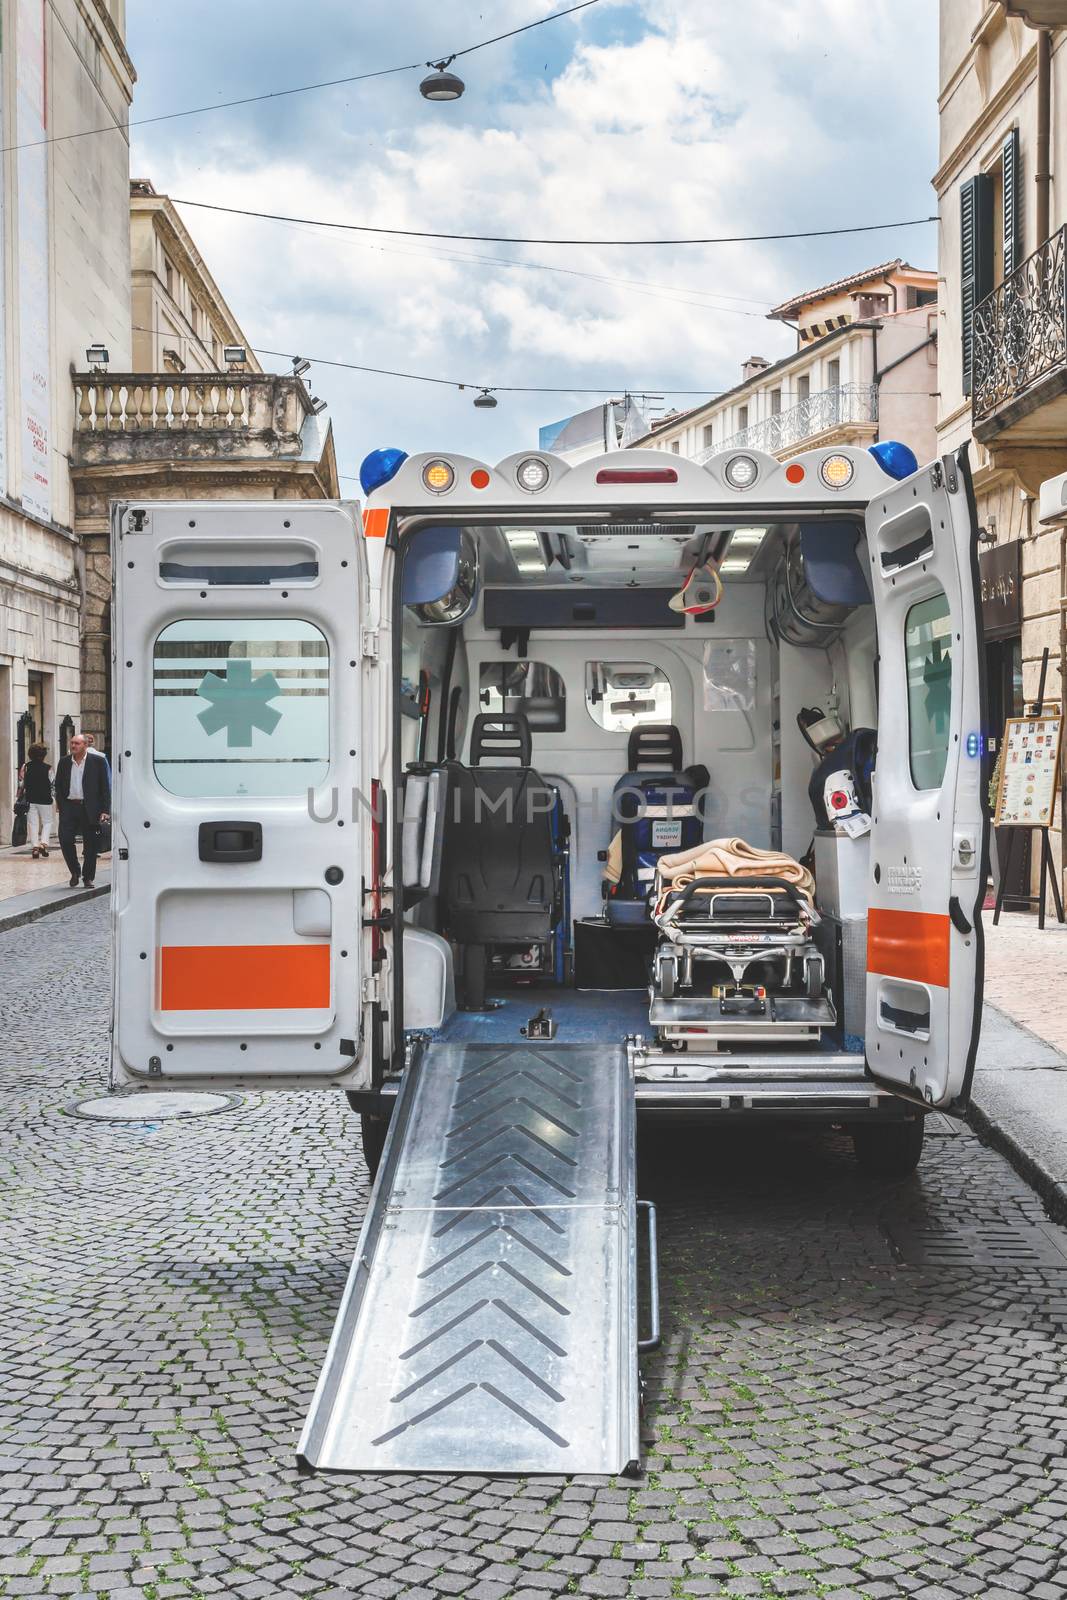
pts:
[37, 791]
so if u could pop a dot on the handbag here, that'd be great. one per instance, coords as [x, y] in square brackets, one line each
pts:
[103, 838]
[20, 826]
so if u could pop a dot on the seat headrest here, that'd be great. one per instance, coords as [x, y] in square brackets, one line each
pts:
[504, 735]
[657, 745]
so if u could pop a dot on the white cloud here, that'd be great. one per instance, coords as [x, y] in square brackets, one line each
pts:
[815, 113]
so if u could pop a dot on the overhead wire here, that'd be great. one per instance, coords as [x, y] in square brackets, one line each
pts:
[504, 238]
[304, 88]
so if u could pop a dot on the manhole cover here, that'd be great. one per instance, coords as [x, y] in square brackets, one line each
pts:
[150, 1107]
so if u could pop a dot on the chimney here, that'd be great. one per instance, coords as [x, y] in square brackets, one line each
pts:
[753, 366]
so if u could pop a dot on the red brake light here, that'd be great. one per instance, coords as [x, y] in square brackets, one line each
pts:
[479, 478]
[637, 475]
[794, 473]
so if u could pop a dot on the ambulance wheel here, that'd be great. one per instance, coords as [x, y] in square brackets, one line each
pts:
[889, 1149]
[667, 976]
[813, 978]
[373, 1130]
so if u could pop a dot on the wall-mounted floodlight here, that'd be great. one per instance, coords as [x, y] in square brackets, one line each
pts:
[98, 356]
[300, 366]
[316, 404]
[234, 355]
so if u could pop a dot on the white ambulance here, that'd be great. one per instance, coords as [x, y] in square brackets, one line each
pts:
[524, 803]
[402, 779]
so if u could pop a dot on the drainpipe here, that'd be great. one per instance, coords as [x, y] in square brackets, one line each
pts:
[1042, 176]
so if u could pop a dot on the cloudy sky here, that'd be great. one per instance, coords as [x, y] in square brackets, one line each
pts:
[633, 118]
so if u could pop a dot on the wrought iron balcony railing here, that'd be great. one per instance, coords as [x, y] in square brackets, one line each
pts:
[1020, 330]
[817, 413]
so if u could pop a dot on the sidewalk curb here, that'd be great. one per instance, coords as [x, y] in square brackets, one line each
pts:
[63, 898]
[993, 1133]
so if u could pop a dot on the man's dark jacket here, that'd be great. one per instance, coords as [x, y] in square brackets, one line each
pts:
[96, 786]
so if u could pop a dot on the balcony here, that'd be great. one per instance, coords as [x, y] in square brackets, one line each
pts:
[845, 414]
[1019, 378]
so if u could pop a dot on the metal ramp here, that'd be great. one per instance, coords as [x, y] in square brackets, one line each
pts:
[489, 1319]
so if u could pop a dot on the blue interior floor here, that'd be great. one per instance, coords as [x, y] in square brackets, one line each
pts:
[582, 1015]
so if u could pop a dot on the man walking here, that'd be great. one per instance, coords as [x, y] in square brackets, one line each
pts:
[83, 794]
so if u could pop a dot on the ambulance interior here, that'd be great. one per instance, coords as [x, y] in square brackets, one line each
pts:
[579, 705]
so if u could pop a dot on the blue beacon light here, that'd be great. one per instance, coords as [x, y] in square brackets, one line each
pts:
[895, 458]
[975, 744]
[379, 467]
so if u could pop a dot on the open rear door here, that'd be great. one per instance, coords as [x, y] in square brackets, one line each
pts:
[928, 844]
[237, 708]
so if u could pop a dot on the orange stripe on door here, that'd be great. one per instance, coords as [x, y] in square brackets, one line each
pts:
[246, 977]
[376, 522]
[908, 944]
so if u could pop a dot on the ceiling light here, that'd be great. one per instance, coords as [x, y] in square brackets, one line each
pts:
[736, 564]
[747, 538]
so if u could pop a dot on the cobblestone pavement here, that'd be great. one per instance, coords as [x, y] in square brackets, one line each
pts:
[861, 1391]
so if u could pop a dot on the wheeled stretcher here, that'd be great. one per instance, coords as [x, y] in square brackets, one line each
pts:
[737, 960]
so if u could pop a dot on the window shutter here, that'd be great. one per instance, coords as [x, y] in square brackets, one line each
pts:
[976, 258]
[1013, 203]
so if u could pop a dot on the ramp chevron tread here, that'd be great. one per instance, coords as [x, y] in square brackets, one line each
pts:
[488, 1322]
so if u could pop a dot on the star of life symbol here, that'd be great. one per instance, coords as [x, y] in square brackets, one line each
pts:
[239, 703]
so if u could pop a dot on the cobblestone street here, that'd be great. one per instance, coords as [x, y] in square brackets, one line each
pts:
[861, 1390]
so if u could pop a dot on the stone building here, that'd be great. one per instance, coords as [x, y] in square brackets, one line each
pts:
[89, 260]
[864, 369]
[1002, 193]
[64, 284]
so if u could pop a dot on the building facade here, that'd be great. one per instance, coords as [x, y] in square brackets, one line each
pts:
[864, 369]
[1002, 196]
[64, 283]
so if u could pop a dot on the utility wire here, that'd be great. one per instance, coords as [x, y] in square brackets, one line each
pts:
[464, 383]
[304, 88]
[503, 238]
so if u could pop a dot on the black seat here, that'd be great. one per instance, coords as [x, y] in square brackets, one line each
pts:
[656, 812]
[499, 870]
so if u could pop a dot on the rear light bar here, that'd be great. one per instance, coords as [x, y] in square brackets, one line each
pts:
[637, 475]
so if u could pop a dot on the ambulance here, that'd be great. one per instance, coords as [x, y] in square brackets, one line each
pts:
[523, 803]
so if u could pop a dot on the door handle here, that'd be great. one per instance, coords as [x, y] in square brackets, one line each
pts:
[958, 916]
[231, 841]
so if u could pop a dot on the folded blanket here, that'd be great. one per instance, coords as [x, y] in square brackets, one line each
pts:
[728, 858]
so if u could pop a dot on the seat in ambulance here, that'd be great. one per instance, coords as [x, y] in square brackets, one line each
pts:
[656, 812]
[498, 873]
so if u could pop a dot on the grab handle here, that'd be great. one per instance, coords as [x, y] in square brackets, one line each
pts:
[654, 1339]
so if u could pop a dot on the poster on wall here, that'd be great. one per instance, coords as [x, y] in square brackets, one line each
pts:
[1029, 767]
[31, 121]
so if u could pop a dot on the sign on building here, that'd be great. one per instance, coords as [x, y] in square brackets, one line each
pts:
[1029, 766]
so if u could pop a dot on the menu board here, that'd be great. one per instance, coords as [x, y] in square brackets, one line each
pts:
[1029, 768]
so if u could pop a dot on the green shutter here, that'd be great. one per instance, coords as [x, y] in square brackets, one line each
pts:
[1011, 167]
[976, 258]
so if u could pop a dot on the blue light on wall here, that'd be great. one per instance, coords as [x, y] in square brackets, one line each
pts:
[379, 467]
[975, 744]
[895, 458]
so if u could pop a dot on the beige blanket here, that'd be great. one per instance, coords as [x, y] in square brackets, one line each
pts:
[729, 858]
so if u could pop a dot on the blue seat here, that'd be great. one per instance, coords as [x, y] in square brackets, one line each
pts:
[656, 810]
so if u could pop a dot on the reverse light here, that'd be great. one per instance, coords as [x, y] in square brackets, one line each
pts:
[836, 472]
[532, 475]
[380, 467]
[637, 475]
[438, 477]
[741, 472]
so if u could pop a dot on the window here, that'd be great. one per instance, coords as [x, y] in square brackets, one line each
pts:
[531, 687]
[168, 275]
[675, 447]
[709, 435]
[241, 707]
[620, 695]
[804, 386]
[928, 662]
[976, 259]
[776, 402]
[833, 374]
[742, 418]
